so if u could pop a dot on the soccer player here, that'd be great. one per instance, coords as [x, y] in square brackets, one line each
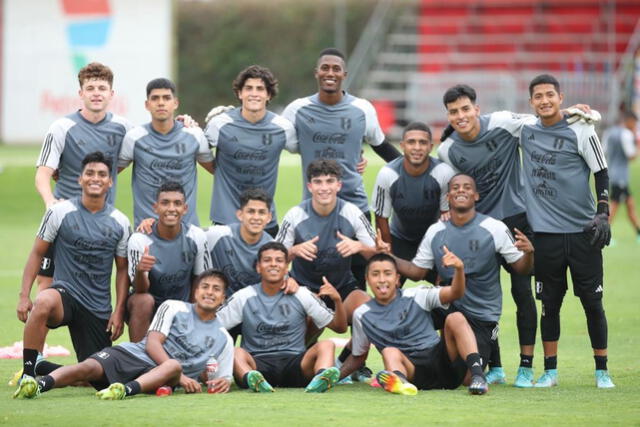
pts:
[234, 247]
[414, 189]
[182, 338]
[620, 145]
[569, 229]
[398, 322]
[480, 241]
[324, 232]
[273, 351]
[163, 263]
[163, 150]
[248, 142]
[333, 124]
[71, 138]
[88, 235]
[486, 148]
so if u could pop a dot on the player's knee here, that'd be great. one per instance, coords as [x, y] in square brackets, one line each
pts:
[326, 346]
[592, 303]
[90, 368]
[172, 366]
[141, 304]
[45, 302]
[390, 353]
[454, 321]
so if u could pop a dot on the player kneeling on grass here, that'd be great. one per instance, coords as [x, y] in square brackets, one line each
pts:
[180, 341]
[273, 352]
[398, 322]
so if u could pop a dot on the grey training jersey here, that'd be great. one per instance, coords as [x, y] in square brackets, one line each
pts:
[405, 323]
[247, 156]
[70, 139]
[302, 223]
[493, 160]
[235, 257]
[416, 201]
[557, 161]
[177, 261]
[336, 132]
[158, 158]
[274, 324]
[479, 244]
[85, 245]
[620, 145]
[190, 340]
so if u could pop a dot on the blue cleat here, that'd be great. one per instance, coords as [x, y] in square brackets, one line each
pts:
[524, 378]
[548, 379]
[603, 380]
[496, 376]
[257, 383]
[323, 381]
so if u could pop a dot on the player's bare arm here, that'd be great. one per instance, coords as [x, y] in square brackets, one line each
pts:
[524, 265]
[44, 175]
[351, 364]
[141, 281]
[208, 166]
[382, 225]
[339, 322]
[156, 352]
[456, 290]
[29, 274]
[116, 321]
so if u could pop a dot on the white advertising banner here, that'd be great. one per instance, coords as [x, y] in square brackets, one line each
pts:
[46, 42]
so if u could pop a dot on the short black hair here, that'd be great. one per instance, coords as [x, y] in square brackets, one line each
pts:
[417, 126]
[97, 157]
[462, 174]
[161, 83]
[459, 91]
[256, 72]
[320, 167]
[332, 51]
[170, 186]
[212, 272]
[273, 245]
[544, 79]
[379, 257]
[255, 194]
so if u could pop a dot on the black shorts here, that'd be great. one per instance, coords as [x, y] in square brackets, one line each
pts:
[434, 370]
[485, 332]
[119, 366]
[281, 370]
[344, 292]
[555, 253]
[88, 332]
[619, 193]
[358, 263]
[520, 222]
[47, 266]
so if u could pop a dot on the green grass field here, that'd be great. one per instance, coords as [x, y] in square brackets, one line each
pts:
[576, 401]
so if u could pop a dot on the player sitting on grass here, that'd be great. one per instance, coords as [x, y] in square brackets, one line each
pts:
[398, 322]
[273, 351]
[180, 341]
[163, 263]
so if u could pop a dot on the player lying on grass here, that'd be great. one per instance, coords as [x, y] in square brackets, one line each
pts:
[180, 341]
[398, 322]
[273, 352]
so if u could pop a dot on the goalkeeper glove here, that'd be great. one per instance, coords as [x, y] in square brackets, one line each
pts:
[217, 111]
[600, 230]
[575, 114]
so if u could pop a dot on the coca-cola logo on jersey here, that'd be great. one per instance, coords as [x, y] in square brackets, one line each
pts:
[329, 138]
[174, 164]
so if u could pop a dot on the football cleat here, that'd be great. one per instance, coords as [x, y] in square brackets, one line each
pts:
[478, 385]
[603, 380]
[524, 378]
[257, 383]
[548, 379]
[323, 381]
[27, 389]
[394, 384]
[115, 391]
[362, 375]
[15, 379]
[496, 375]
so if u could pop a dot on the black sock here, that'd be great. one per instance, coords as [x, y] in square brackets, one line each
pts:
[526, 361]
[46, 383]
[495, 359]
[474, 363]
[550, 362]
[245, 380]
[132, 388]
[319, 371]
[29, 357]
[601, 362]
[402, 376]
[344, 354]
[44, 367]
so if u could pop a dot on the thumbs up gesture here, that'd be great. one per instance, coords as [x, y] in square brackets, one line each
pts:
[449, 259]
[327, 289]
[306, 250]
[346, 246]
[147, 261]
